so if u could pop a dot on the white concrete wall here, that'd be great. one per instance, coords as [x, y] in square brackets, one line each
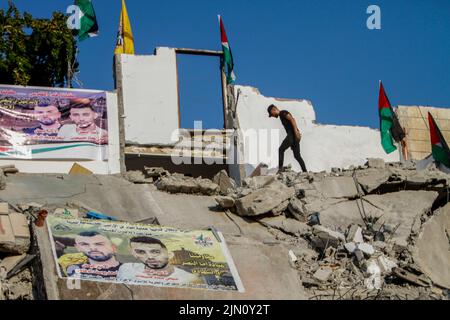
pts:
[112, 166]
[323, 146]
[150, 97]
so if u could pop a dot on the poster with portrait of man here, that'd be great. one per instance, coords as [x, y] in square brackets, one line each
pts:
[53, 123]
[143, 255]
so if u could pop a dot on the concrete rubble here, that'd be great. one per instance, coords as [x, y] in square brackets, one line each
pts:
[377, 231]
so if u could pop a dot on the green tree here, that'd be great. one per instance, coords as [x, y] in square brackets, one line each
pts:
[35, 52]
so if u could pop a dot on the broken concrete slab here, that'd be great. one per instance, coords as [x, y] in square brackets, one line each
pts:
[281, 208]
[8, 263]
[297, 209]
[258, 182]
[337, 187]
[372, 179]
[180, 184]
[323, 274]
[225, 183]
[264, 200]
[225, 202]
[354, 234]
[397, 208]
[326, 237]
[376, 163]
[2, 180]
[290, 226]
[431, 252]
[155, 172]
[366, 248]
[402, 208]
[137, 177]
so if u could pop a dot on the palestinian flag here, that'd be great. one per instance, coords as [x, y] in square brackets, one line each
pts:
[390, 127]
[88, 20]
[227, 55]
[439, 147]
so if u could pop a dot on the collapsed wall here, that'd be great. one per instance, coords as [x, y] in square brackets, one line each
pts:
[323, 146]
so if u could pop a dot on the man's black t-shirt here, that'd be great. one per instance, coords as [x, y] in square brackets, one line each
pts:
[286, 123]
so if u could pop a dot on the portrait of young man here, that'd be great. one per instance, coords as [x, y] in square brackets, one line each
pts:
[84, 126]
[96, 257]
[49, 117]
[154, 265]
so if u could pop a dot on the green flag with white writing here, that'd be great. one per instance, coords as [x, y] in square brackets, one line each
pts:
[88, 20]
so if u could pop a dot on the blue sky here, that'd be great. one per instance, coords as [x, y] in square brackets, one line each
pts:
[316, 50]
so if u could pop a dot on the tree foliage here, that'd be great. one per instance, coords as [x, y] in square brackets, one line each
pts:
[35, 52]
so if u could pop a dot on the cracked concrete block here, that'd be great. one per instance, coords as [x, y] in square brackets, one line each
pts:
[355, 234]
[431, 252]
[327, 237]
[323, 274]
[371, 179]
[225, 183]
[296, 208]
[376, 163]
[225, 202]
[137, 177]
[207, 187]
[366, 248]
[264, 200]
[281, 208]
[337, 187]
[258, 182]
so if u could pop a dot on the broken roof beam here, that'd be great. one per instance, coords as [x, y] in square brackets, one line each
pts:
[199, 52]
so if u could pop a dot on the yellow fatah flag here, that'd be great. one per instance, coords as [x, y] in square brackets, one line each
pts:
[125, 40]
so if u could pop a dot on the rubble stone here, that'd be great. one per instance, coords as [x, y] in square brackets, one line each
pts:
[225, 183]
[337, 187]
[296, 208]
[290, 226]
[137, 177]
[432, 252]
[376, 163]
[2, 180]
[323, 274]
[225, 202]
[264, 200]
[156, 172]
[366, 248]
[281, 208]
[258, 182]
[327, 237]
[180, 184]
[355, 234]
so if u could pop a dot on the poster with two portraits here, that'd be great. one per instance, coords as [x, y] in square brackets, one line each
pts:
[142, 255]
[53, 123]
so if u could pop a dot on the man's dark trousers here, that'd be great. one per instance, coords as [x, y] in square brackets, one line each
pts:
[291, 142]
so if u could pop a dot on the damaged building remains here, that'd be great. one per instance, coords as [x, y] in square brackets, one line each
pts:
[360, 225]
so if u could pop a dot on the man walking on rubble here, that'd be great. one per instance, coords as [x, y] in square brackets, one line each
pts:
[293, 136]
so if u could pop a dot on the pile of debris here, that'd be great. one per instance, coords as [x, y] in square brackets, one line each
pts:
[15, 244]
[360, 233]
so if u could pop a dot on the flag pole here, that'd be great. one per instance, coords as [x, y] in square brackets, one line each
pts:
[223, 78]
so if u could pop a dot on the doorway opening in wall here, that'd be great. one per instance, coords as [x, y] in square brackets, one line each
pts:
[200, 89]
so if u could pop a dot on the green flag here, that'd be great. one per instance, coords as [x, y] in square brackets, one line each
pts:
[88, 20]
[227, 55]
[439, 147]
[389, 125]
